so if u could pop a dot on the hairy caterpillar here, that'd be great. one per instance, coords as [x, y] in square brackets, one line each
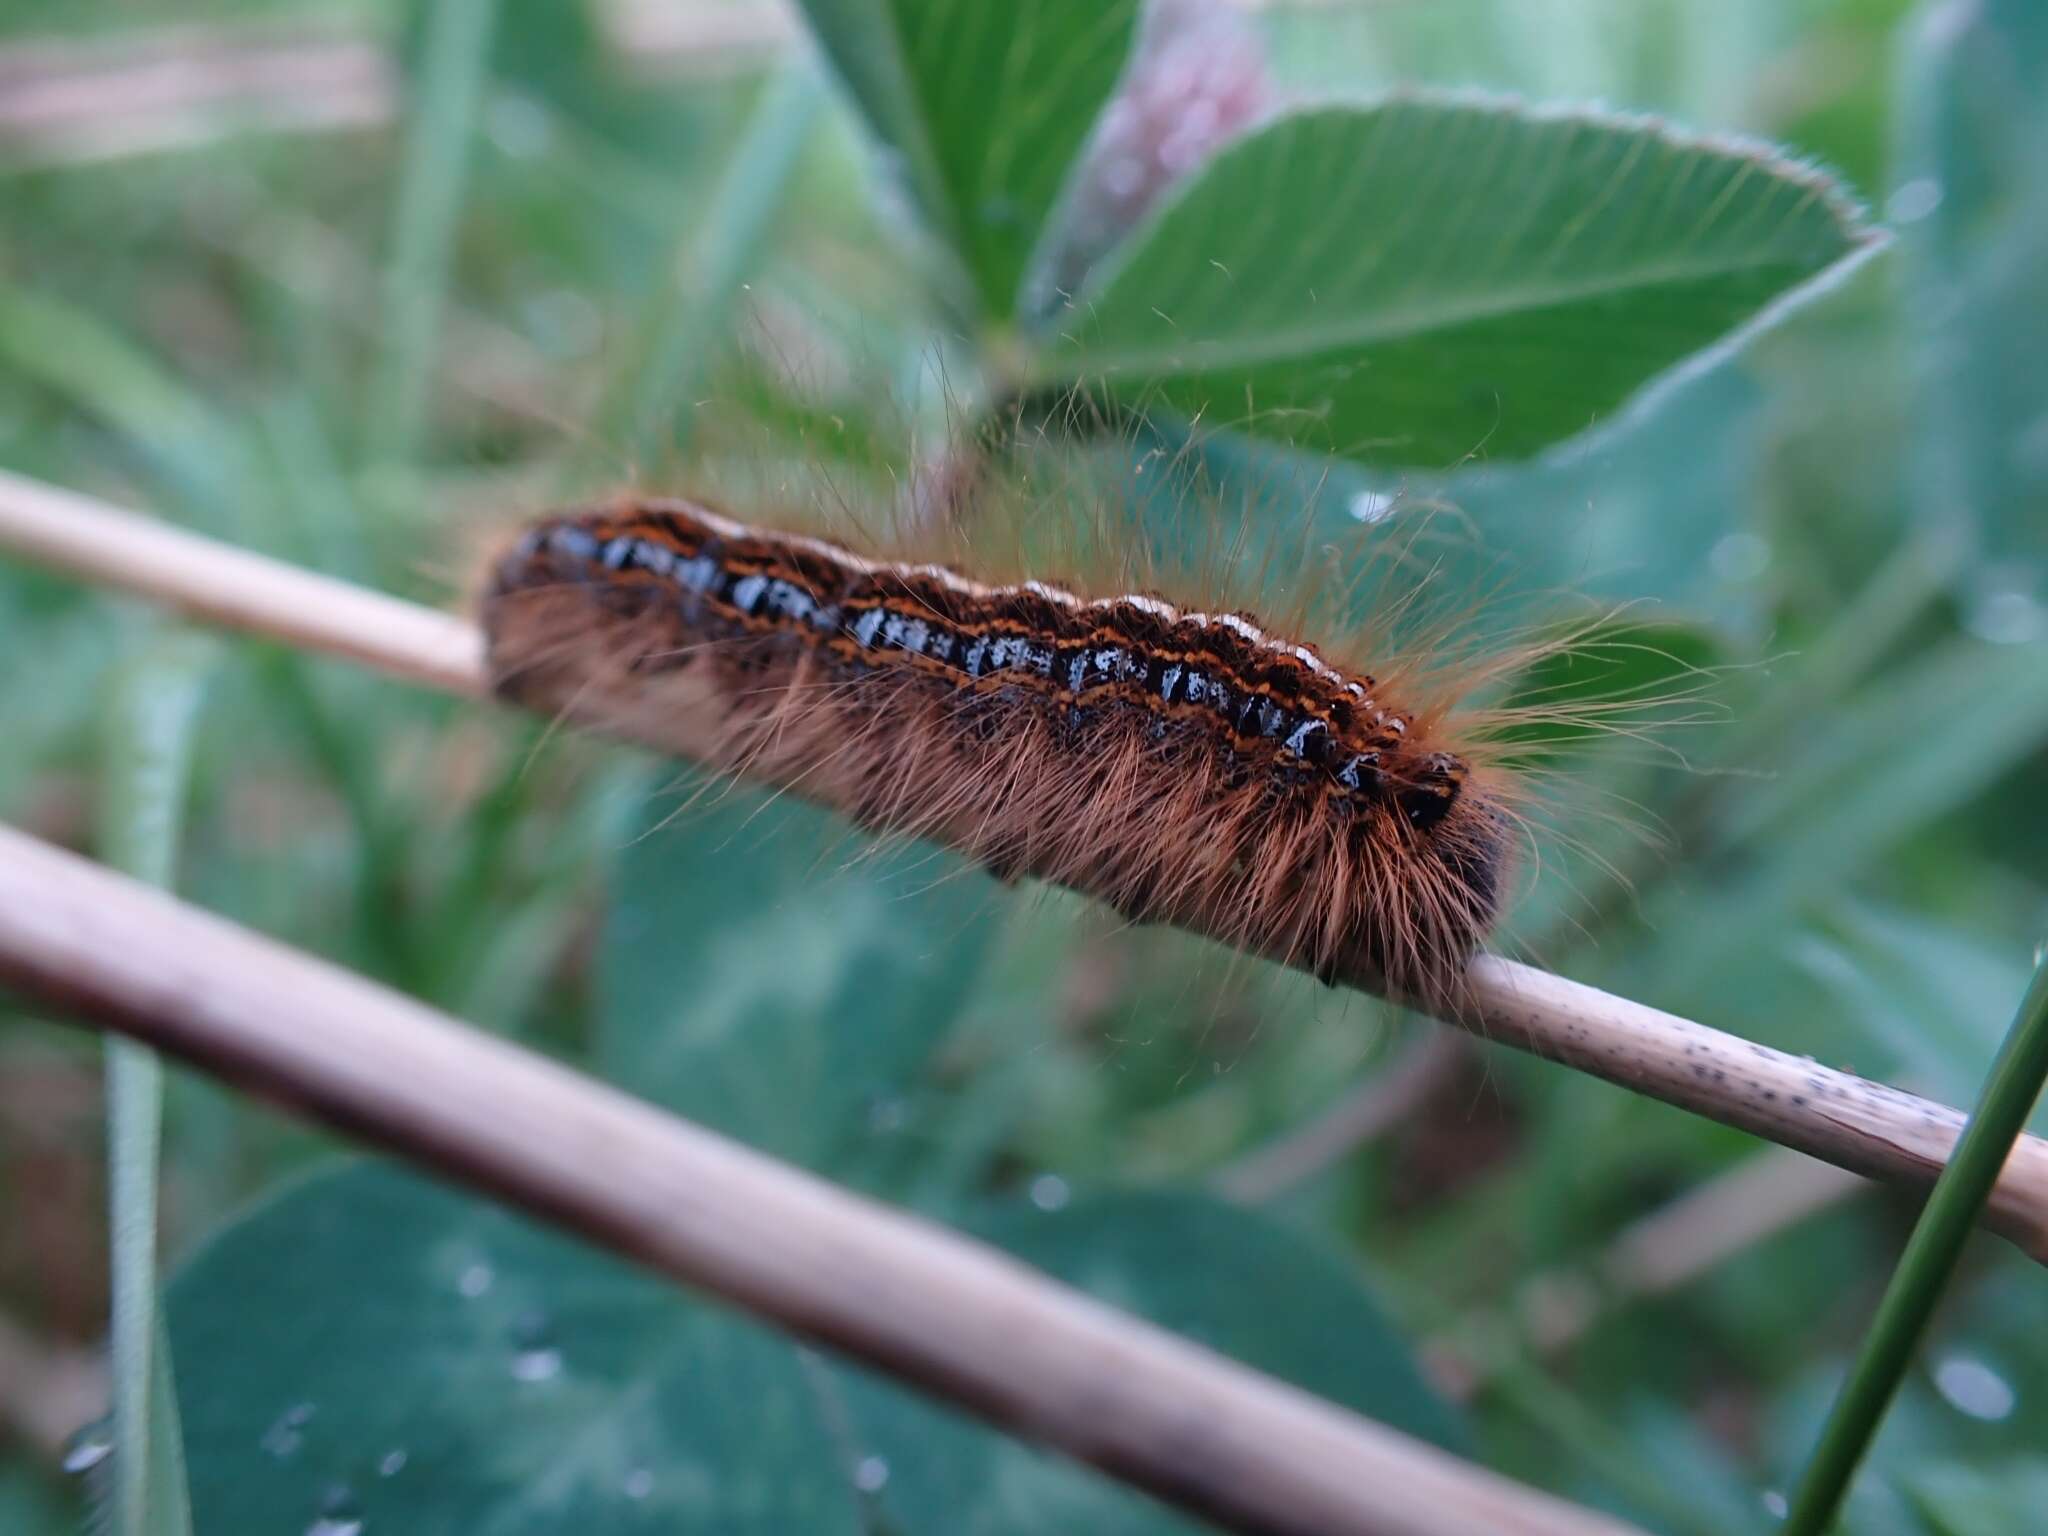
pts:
[1184, 766]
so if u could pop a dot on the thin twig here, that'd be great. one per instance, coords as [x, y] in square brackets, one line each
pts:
[1865, 1127]
[1673, 1245]
[47, 1391]
[945, 1313]
[2010, 1092]
[1359, 1116]
[175, 88]
[146, 90]
[239, 590]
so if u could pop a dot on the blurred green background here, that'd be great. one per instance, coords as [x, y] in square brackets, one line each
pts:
[242, 286]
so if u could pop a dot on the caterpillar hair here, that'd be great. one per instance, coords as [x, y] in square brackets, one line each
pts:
[1185, 766]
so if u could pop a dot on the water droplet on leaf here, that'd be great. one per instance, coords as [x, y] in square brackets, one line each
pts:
[89, 1445]
[1371, 506]
[286, 1435]
[1973, 1387]
[535, 1357]
[1911, 201]
[885, 1114]
[871, 1474]
[340, 1514]
[2002, 611]
[1740, 557]
[1049, 1192]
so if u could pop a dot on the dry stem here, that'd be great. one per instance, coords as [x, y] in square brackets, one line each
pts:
[953, 1316]
[46, 1390]
[1767, 1194]
[1863, 1126]
[1380, 1102]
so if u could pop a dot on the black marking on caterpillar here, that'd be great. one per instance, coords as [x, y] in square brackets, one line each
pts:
[1183, 766]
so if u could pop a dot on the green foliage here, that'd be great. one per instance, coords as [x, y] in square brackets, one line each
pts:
[154, 718]
[371, 1347]
[1976, 210]
[1961, 1500]
[986, 106]
[442, 111]
[1417, 271]
[2011, 1089]
[598, 270]
[761, 975]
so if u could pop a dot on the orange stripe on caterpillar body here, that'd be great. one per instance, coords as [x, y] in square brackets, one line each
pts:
[1186, 767]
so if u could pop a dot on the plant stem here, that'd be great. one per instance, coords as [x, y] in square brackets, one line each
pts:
[148, 756]
[698, 309]
[944, 1313]
[1930, 1258]
[1865, 1127]
[441, 111]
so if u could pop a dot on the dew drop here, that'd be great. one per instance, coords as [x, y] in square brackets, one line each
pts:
[89, 1445]
[534, 1355]
[287, 1433]
[1973, 1387]
[1049, 1192]
[2005, 613]
[639, 1483]
[1775, 1505]
[886, 1114]
[1911, 201]
[339, 1514]
[1371, 506]
[537, 1364]
[392, 1464]
[871, 1474]
[518, 126]
[474, 1280]
[1740, 557]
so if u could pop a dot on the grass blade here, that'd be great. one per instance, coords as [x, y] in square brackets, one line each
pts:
[148, 758]
[444, 99]
[1930, 1257]
[688, 327]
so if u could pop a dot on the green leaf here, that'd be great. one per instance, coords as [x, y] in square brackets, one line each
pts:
[690, 318]
[988, 105]
[1974, 207]
[29, 1504]
[371, 1347]
[1208, 1269]
[441, 112]
[155, 710]
[1842, 799]
[1958, 1499]
[763, 974]
[107, 377]
[1623, 665]
[374, 1347]
[1928, 1264]
[1927, 993]
[1205, 1270]
[1431, 278]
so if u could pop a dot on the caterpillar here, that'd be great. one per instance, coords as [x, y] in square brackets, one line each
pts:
[1184, 766]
